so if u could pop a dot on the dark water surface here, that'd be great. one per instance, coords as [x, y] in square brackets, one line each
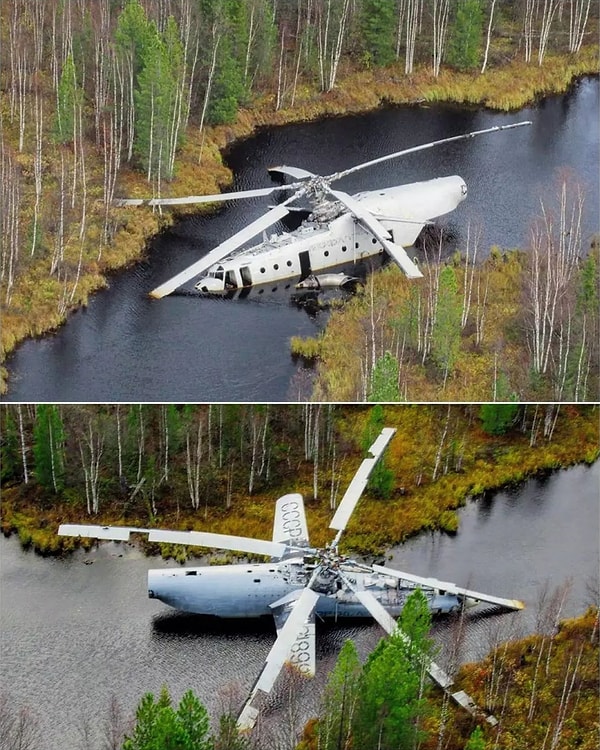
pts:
[126, 347]
[74, 634]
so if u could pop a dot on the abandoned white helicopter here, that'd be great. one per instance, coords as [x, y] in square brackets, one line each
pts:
[341, 229]
[299, 584]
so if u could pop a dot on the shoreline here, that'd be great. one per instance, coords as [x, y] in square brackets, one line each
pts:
[371, 90]
[446, 522]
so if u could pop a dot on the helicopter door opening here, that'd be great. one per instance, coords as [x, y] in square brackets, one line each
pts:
[246, 276]
[230, 280]
[304, 264]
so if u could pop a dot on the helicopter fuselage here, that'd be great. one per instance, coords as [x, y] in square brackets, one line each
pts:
[331, 237]
[251, 591]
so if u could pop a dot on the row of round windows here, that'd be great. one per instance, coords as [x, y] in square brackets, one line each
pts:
[325, 253]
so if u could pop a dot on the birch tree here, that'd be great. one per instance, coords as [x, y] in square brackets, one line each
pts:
[441, 12]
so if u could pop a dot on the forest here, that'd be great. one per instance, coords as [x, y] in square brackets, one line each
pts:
[221, 467]
[135, 98]
[518, 326]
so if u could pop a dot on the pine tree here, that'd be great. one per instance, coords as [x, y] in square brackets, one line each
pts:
[476, 741]
[378, 25]
[497, 419]
[446, 332]
[9, 446]
[466, 37]
[159, 725]
[384, 381]
[69, 98]
[48, 444]
[381, 480]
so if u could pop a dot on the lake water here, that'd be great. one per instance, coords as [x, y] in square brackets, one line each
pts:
[127, 347]
[74, 634]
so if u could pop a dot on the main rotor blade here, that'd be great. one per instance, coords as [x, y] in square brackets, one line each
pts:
[289, 524]
[359, 482]
[377, 229]
[192, 538]
[343, 173]
[278, 655]
[449, 588]
[391, 627]
[296, 172]
[233, 243]
[216, 198]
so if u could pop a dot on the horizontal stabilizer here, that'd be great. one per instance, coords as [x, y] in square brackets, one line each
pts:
[449, 588]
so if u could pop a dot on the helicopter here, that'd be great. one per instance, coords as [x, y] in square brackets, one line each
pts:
[340, 228]
[298, 584]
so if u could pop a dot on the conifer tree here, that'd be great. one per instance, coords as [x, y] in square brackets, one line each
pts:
[48, 443]
[378, 25]
[465, 41]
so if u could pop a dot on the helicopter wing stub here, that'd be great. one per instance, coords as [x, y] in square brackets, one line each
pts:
[214, 256]
[289, 525]
[359, 482]
[279, 654]
[450, 588]
[216, 198]
[381, 233]
[191, 538]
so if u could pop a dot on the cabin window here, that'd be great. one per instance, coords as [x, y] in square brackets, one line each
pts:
[276, 267]
[326, 253]
[344, 248]
[356, 245]
[191, 572]
[262, 270]
[289, 263]
[374, 241]
[257, 580]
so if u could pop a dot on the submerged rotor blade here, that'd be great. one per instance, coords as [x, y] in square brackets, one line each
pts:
[343, 173]
[278, 655]
[359, 482]
[192, 538]
[216, 198]
[233, 243]
[449, 588]
[382, 234]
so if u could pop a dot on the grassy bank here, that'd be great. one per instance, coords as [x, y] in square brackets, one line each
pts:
[472, 463]
[543, 689]
[40, 302]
